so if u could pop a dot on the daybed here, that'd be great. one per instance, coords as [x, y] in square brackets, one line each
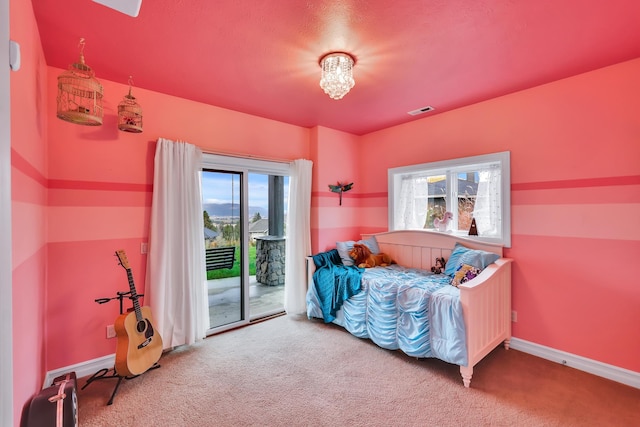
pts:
[407, 307]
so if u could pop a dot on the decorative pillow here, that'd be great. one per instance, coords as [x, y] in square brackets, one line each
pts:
[464, 273]
[462, 255]
[345, 247]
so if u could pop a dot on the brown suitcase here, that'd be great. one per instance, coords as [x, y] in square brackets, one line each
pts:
[55, 406]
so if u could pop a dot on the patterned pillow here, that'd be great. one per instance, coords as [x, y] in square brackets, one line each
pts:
[345, 247]
[464, 273]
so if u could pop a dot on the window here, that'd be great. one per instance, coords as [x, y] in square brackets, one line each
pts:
[469, 188]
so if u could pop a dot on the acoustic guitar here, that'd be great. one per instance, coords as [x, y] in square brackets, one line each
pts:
[139, 345]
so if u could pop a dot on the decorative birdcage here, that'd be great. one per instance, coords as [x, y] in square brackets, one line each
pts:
[80, 94]
[129, 113]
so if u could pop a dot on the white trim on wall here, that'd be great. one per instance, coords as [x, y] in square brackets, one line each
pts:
[614, 373]
[6, 278]
[82, 369]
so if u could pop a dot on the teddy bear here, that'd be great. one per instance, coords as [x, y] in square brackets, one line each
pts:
[363, 257]
[439, 267]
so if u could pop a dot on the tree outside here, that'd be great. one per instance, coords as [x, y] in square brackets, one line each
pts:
[207, 222]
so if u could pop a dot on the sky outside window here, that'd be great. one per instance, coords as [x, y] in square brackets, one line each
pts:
[216, 188]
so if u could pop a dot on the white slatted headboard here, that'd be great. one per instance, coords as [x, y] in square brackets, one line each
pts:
[420, 248]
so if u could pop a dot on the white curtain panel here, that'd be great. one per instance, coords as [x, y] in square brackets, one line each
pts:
[487, 207]
[408, 216]
[298, 236]
[175, 286]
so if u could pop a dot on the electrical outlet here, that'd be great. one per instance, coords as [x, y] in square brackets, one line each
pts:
[514, 316]
[144, 247]
[111, 331]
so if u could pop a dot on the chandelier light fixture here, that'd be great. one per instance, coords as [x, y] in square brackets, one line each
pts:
[80, 94]
[129, 113]
[337, 74]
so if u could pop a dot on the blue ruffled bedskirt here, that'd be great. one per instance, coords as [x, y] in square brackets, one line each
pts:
[412, 310]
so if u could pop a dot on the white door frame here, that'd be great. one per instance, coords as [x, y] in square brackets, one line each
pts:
[6, 324]
[244, 166]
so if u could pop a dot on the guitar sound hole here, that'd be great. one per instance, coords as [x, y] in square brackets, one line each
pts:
[141, 326]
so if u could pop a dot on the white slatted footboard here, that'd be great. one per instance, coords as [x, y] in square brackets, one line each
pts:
[486, 307]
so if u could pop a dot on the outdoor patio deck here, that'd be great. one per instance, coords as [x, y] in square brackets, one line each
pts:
[224, 300]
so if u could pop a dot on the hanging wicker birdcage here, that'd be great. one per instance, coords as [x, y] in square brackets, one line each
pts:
[129, 114]
[80, 94]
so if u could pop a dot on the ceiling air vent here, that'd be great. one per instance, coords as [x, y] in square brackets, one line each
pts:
[421, 110]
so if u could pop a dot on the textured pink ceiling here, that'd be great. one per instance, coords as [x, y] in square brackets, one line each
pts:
[261, 57]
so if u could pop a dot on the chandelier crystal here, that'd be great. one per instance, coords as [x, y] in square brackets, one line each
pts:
[337, 74]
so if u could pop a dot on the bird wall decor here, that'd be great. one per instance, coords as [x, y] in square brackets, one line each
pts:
[340, 188]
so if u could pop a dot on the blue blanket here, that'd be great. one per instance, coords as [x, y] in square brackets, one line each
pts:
[334, 282]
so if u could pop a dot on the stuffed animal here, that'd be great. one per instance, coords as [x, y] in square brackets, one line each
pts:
[442, 224]
[363, 257]
[439, 267]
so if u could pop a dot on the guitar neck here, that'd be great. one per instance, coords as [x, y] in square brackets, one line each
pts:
[134, 295]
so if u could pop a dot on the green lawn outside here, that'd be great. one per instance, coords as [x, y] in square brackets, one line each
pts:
[235, 271]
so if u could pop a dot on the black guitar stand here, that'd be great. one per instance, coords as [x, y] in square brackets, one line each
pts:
[105, 374]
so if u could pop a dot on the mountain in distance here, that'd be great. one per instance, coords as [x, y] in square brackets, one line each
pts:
[232, 209]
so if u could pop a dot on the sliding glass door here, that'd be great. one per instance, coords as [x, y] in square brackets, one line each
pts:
[223, 227]
[244, 211]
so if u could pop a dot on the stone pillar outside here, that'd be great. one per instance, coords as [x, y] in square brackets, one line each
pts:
[270, 260]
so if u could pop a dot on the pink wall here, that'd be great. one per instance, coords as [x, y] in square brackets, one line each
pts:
[28, 207]
[575, 174]
[336, 160]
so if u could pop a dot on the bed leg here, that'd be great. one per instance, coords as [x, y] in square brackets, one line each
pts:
[466, 373]
[507, 342]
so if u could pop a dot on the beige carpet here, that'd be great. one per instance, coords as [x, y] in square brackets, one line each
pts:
[291, 371]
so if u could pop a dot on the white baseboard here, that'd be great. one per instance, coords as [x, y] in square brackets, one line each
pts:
[594, 367]
[82, 369]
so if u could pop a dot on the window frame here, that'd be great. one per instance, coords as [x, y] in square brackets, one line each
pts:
[446, 167]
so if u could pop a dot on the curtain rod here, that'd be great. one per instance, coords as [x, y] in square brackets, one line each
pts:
[246, 156]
